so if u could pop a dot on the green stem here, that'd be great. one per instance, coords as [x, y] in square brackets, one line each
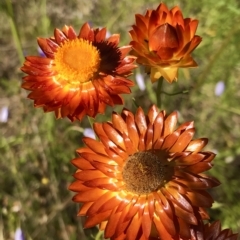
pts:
[14, 31]
[135, 103]
[99, 235]
[159, 90]
[176, 93]
[91, 121]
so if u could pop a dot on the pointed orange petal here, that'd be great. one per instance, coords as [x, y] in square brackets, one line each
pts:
[88, 175]
[89, 196]
[197, 145]
[112, 224]
[114, 39]
[59, 36]
[153, 113]
[94, 145]
[82, 163]
[114, 135]
[84, 208]
[42, 42]
[200, 198]
[95, 208]
[97, 182]
[78, 186]
[184, 215]
[199, 167]
[170, 140]
[149, 135]
[170, 123]
[167, 222]
[71, 34]
[96, 219]
[133, 228]
[112, 203]
[140, 120]
[158, 126]
[146, 222]
[100, 36]
[163, 233]
[183, 141]
[84, 32]
[191, 159]
[119, 123]
[130, 148]
[180, 199]
[184, 229]
[132, 131]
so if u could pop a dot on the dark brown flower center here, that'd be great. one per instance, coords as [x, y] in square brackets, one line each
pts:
[110, 57]
[144, 172]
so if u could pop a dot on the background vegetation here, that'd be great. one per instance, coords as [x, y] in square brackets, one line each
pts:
[35, 148]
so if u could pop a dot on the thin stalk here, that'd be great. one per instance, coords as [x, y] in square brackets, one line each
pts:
[99, 235]
[135, 103]
[158, 93]
[14, 31]
[176, 93]
[91, 121]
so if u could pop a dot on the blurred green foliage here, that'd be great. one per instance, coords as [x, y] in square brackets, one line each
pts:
[35, 148]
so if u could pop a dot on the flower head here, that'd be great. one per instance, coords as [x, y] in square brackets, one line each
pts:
[163, 40]
[80, 74]
[143, 177]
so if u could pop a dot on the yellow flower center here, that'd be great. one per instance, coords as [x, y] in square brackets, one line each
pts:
[76, 61]
[145, 172]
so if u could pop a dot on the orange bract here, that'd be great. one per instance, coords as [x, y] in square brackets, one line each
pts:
[213, 231]
[80, 74]
[143, 177]
[163, 40]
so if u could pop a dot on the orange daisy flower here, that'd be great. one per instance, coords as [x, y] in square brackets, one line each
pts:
[163, 40]
[80, 74]
[143, 177]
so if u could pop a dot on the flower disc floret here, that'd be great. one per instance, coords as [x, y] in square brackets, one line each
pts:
[77, 61]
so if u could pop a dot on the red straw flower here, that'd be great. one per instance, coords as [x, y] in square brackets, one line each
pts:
[80, 75]
[163, 40]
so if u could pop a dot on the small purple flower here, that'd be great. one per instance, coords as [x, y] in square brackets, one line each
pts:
[140, 81]
[19, 234]
[41, 53]
[4, 114]
[219, 88]
[88, 132]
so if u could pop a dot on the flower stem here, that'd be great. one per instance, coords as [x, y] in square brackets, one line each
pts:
[159, 90]
[91, 121]
[135, 103]
[14, 31]
[176, 93]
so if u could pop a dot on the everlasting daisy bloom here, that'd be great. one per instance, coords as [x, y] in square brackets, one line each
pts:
[80, 74]
[163, 40]
[143, 177]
